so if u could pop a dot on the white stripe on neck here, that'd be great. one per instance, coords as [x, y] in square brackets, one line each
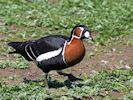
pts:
[48, 55]
[73, 36]
[77, 37]
[63, 53]
[82, 29]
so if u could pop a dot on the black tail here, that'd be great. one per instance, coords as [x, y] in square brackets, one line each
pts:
[12, 52]
[20, 49]
[15, 45]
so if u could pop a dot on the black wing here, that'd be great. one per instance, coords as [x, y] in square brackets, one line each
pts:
[30, 50]
[49, 43]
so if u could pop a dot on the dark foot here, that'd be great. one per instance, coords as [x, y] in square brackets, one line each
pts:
[25, 80]
[70, 76]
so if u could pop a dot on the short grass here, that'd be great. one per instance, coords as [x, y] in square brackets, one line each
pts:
[26, 19]
[22, 20]
[99, 85]
[19, 63]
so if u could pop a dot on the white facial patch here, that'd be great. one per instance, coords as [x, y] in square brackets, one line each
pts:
[48, 55]
[87, 34]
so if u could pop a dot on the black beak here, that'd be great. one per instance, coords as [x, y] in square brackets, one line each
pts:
[91, 39]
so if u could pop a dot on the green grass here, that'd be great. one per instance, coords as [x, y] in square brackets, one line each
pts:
[39, 18]
[20, 63]
[95, 85]
[22, 20]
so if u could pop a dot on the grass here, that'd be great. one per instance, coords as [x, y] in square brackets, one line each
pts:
[39, 18]
[22, 20]
[18, 64]
[98, 85]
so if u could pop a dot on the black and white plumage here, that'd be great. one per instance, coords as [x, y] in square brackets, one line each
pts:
[54, 52]
[30, 50]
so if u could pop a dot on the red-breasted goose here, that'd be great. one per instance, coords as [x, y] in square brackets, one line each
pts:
[54, 52]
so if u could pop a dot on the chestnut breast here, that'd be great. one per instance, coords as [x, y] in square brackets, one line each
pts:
[74, 52]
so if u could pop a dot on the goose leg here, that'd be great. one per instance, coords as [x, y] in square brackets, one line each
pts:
[46, 80]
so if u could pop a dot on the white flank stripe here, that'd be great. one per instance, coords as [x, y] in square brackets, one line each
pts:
[49, 55]
[28, 53]
[32, 51]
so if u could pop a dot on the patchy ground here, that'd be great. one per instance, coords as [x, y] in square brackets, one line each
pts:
[116, 55]
[30, 19]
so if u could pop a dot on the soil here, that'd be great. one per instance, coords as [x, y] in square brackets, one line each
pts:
[118, 54]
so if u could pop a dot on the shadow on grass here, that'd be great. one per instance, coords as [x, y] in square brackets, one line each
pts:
[69, 83]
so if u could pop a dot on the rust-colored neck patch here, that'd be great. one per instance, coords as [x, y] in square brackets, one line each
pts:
[77, 32]
[74, 52]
